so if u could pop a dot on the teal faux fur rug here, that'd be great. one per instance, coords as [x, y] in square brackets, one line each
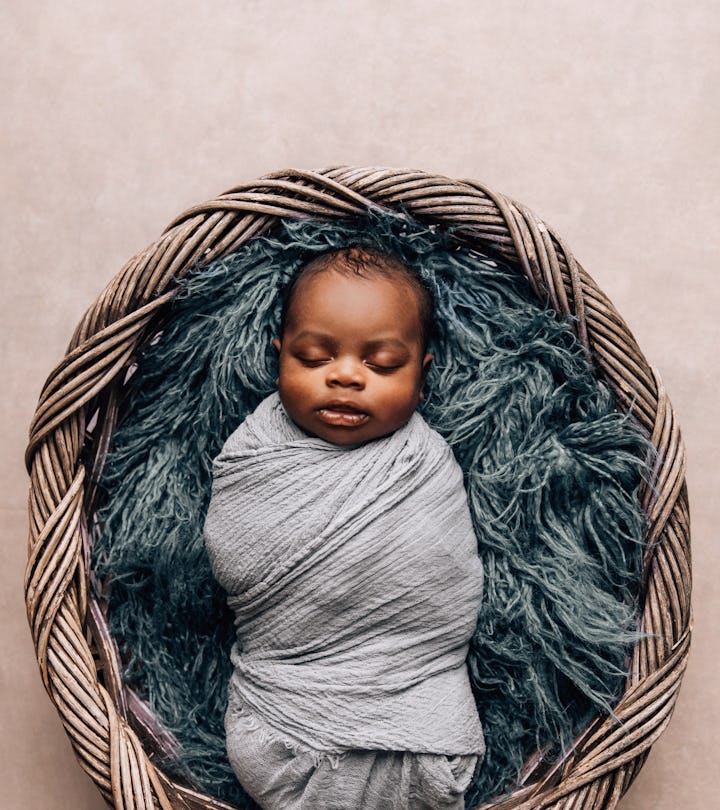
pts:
[551, 470]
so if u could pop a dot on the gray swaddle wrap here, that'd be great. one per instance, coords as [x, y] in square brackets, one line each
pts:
[355, 582]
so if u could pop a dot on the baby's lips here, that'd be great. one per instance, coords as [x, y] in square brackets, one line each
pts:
[342, 416]
[343, 407]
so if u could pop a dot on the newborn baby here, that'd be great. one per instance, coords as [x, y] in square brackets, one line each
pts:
[339, 528]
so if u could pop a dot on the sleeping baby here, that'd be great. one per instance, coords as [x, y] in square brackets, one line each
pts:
[339, 527]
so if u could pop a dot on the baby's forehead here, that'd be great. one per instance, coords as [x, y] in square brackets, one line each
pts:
[396, 292]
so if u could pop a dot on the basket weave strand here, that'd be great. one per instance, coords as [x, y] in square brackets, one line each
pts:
[76, 415]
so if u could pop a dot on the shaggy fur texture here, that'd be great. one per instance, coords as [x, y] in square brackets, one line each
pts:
[551, 470]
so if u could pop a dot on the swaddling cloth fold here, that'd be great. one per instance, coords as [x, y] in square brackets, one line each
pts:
[355, 582]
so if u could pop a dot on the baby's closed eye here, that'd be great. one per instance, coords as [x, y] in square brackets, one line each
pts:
[313, 362]
[384, 369]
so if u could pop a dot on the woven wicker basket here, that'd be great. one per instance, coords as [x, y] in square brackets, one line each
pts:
[76, 415]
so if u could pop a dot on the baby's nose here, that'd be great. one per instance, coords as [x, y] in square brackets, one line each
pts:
[346, 372]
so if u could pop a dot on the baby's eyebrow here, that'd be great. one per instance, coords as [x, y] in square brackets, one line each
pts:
[369, 345]
[382, 343]
[308, 333]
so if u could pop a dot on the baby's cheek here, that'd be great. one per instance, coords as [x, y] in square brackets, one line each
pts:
[299, 399]
[402, 400]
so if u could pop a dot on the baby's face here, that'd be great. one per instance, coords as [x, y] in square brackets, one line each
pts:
[352, 363]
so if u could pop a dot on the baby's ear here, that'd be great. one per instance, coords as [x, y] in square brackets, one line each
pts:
[276, 343]
[423, 374]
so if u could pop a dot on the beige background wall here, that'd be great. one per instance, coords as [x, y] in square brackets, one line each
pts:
[602, 116]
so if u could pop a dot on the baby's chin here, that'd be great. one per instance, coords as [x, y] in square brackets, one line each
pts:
[347, 435]
[344, 437]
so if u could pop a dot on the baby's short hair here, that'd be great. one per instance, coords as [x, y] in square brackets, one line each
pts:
[365, 262]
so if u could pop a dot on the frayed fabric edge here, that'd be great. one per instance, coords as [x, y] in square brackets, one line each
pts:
[268, 734]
